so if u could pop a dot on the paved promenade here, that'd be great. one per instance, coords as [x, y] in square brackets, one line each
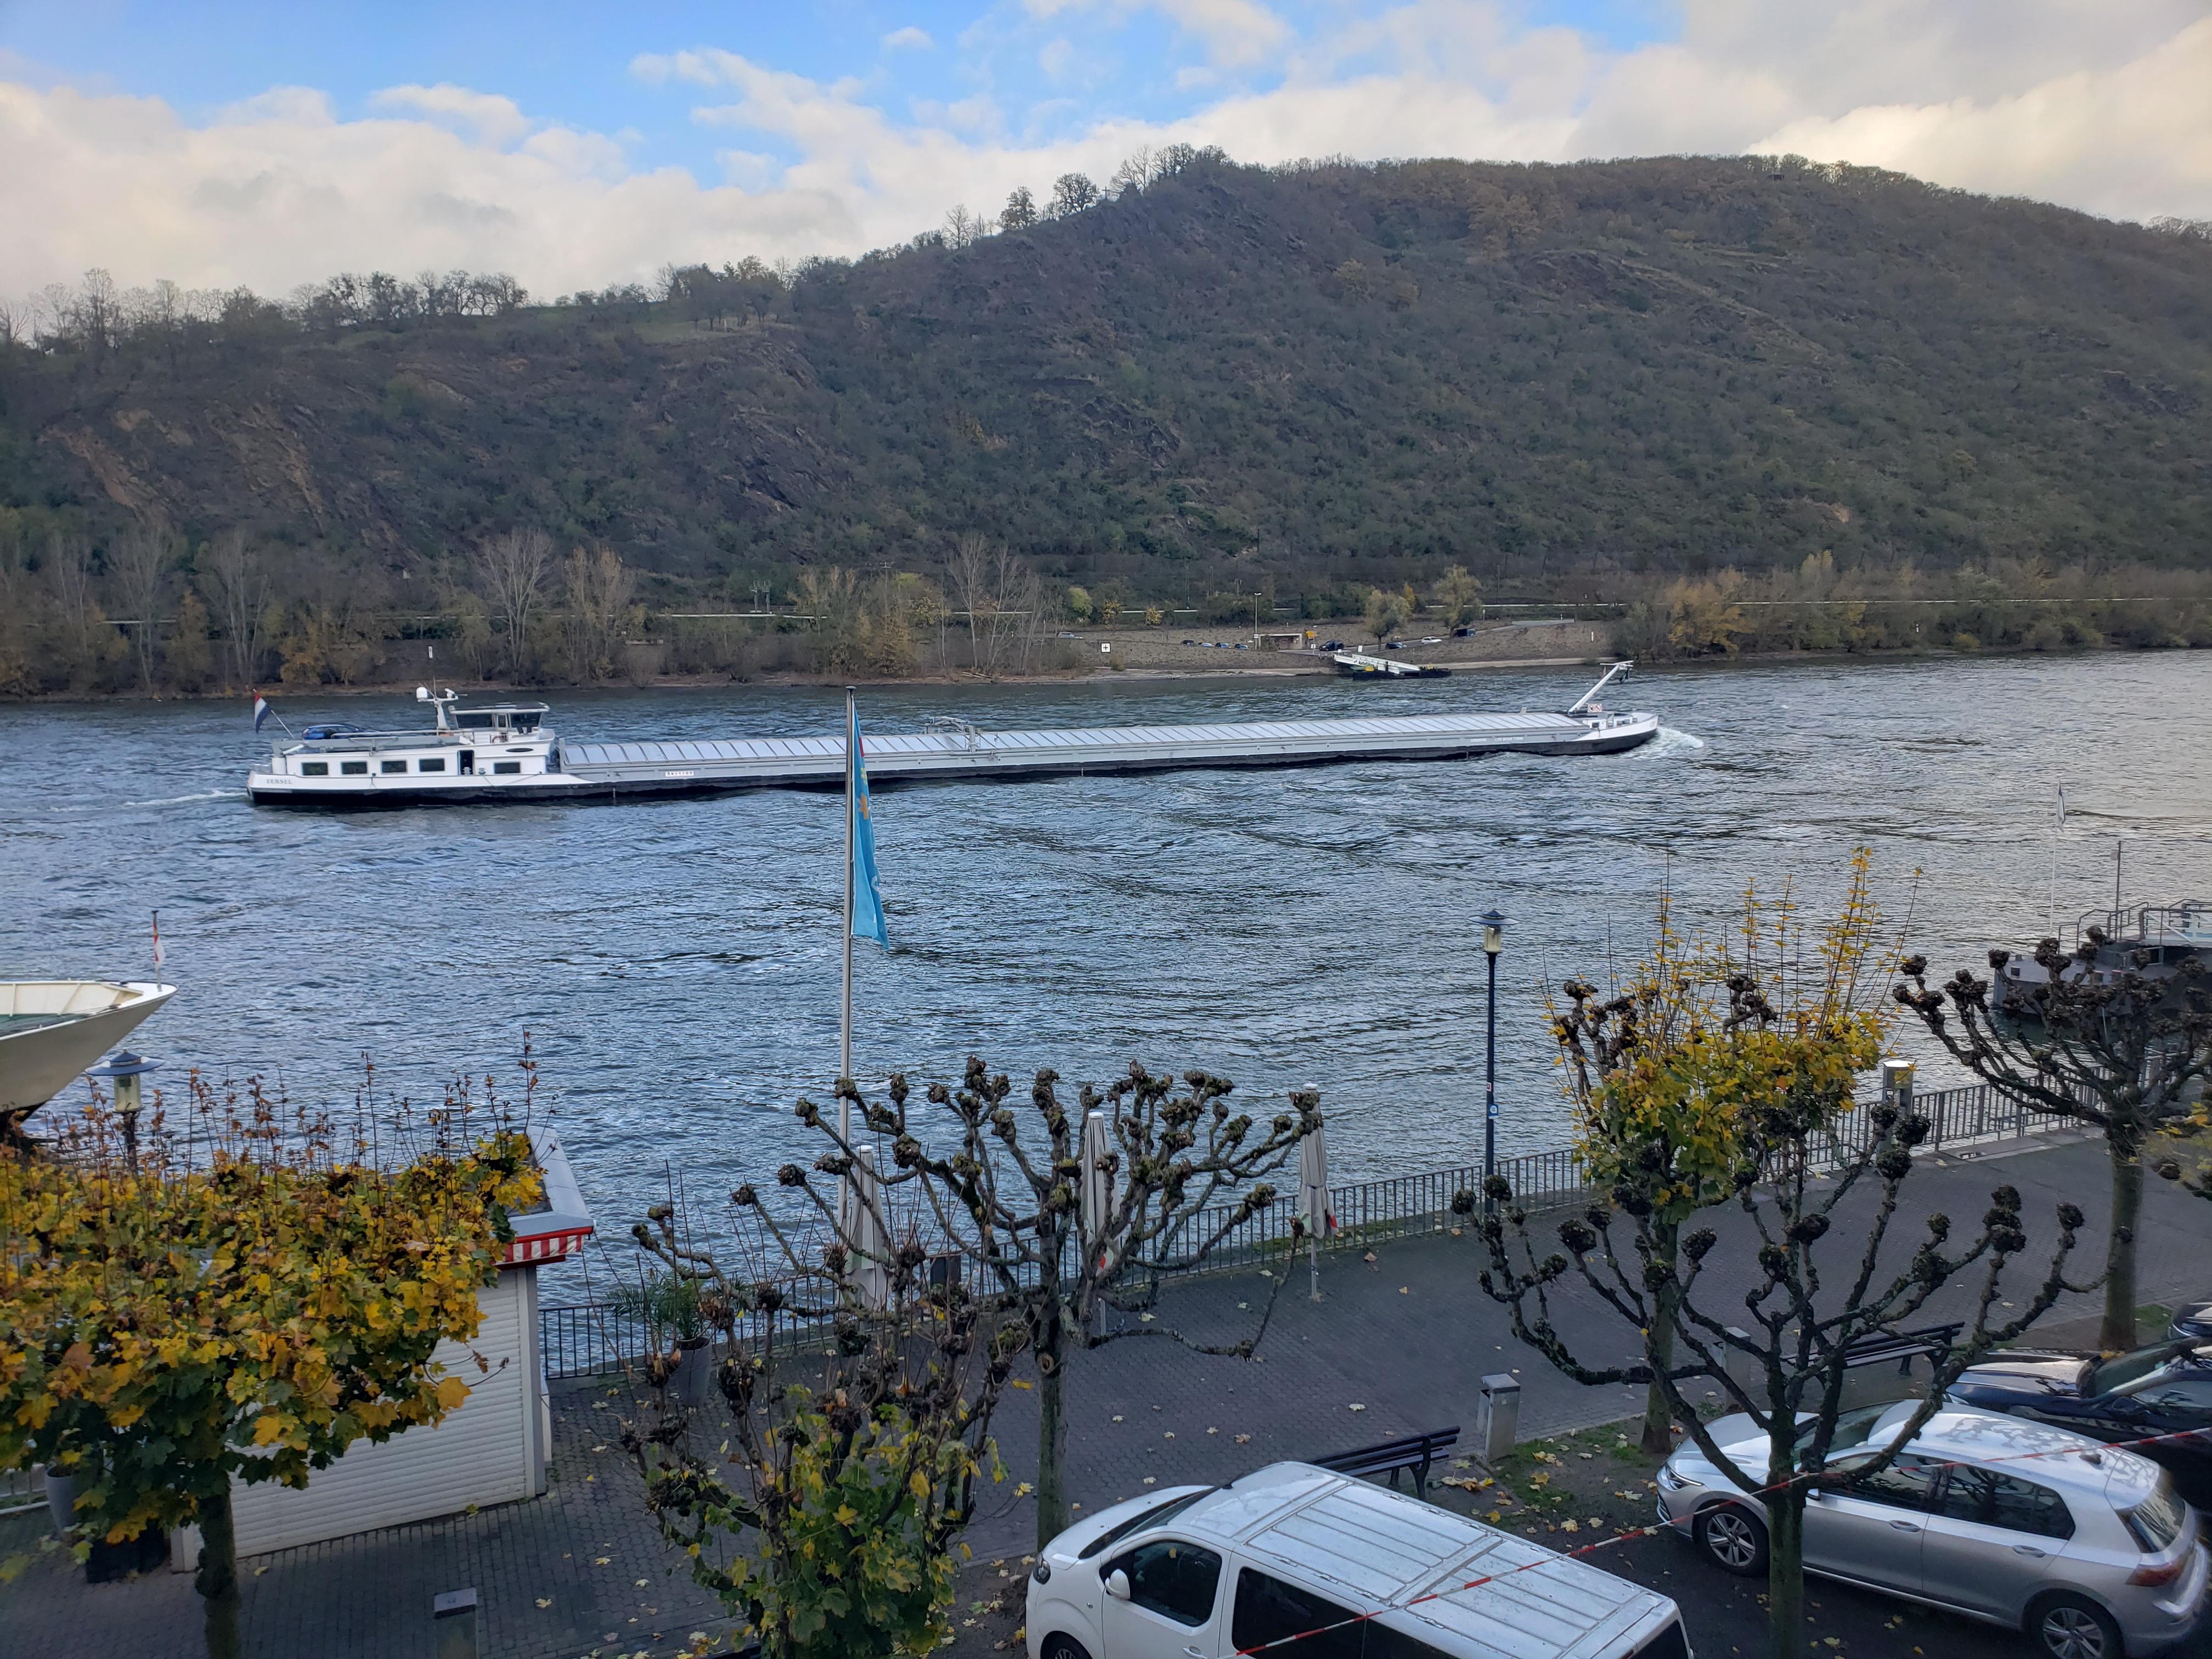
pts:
[1398, 1344]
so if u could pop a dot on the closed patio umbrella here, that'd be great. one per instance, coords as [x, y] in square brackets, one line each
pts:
[1313, 1198]
[1097, 1181]
[861, 1222]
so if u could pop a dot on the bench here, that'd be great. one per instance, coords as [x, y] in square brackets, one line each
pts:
[1903, 1347]
[1416, 1453]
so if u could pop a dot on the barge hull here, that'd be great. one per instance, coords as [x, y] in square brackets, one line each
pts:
[614, 771]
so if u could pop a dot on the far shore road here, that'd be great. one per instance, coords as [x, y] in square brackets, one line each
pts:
[1141, 654]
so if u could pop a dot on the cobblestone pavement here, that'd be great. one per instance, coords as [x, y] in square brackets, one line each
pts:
[1397, 1344]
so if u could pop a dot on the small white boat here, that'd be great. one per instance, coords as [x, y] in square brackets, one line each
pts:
[51, 1030]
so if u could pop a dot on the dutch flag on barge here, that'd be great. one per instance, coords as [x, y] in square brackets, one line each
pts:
[260, 710]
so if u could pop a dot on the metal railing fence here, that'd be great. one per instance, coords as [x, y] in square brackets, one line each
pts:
[22, 1490]
[591, 1339]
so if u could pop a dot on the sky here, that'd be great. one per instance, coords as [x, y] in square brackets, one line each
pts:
[270, 144]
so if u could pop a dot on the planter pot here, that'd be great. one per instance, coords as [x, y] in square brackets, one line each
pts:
[146, 1553]
[694, 1373]
[60, 1500]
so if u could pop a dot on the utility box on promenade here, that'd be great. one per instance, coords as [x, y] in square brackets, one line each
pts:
[1500, 1421]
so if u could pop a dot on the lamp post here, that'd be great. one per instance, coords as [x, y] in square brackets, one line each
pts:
[1493, 941]
[124, 1069]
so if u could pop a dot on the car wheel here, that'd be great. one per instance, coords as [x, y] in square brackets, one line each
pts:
[1732, 1539]
[1065, 1647]
[2069, 1627]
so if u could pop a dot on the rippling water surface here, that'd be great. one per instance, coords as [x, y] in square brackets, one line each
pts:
[676, 962]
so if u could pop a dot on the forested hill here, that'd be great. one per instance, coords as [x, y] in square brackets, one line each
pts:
[1326, 376]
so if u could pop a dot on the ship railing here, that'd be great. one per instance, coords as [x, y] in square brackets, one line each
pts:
[2185, 922]
[591, 1339]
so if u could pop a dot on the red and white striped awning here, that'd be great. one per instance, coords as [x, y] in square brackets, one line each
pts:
[559, 1229]
[528, 1248]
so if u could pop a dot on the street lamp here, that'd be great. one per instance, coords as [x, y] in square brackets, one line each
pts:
[124, 1069]
[1493, 941]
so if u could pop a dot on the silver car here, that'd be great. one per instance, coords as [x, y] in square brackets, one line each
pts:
[2085, 1547]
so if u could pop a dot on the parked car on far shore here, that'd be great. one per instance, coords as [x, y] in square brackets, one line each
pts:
[2086, 1549]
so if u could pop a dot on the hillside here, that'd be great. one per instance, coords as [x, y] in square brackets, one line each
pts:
[1320, 379]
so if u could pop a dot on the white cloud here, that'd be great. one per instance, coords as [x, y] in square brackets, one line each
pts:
[1234, 32]
[495, 119]
[1055, 56]
[908, 38]
[2106, 112]
[2134, 139]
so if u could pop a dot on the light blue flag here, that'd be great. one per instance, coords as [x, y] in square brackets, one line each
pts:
[867, 892]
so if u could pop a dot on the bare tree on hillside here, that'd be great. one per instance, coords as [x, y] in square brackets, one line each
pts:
[1071, 192]
[962, 228]
[237, 579]
[68, 565]
[140, 562]
[511, 569]
[968, 573]
[599, 585]
[1020, 211]
[1004, 599]
[97, 311]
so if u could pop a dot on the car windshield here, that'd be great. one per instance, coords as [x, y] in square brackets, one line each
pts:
[1852, 1427]
[2136, 1367]
[1158, 1515]
[2158, 1519]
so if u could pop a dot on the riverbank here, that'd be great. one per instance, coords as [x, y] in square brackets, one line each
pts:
[1134, 657]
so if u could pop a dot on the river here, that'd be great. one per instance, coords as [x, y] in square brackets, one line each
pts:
[676, 963]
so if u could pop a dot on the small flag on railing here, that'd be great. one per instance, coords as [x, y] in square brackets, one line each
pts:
[260, 710]
[157, 941]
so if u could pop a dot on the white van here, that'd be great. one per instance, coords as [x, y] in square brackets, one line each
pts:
[1352, 1570]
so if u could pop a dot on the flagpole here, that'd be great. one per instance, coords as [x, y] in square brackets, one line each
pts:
[845, 1024]
[2057, 833]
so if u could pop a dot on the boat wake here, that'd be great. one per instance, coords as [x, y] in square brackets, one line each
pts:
[1671, 742]
[180, 800]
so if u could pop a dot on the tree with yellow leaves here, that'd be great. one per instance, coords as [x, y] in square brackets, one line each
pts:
[1722, 1081]
[235, 1306]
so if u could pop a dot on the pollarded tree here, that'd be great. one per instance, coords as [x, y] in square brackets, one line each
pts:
[1649, 1134]
[1771, 1063]
[1171, 1171]
[2122, 1047]
[824, 1512]
[169, 1330]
